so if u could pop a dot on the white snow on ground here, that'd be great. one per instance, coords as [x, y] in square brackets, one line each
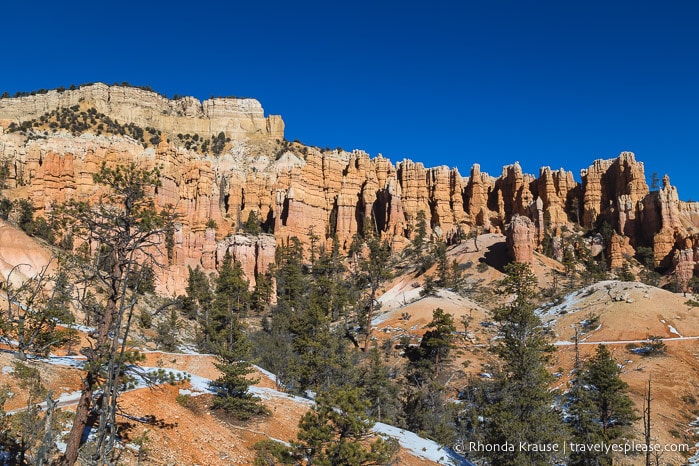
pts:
[568, 305]
[182, 351]
[420, 447]
[694, 460]
[393, 301]
[186, 349]
[674, 330]
[621, 342]
[270, 393]
[70, 361]
[266, 373]
[82, 328]
[572, 302]
[400, 294]
[7, 370]
[66, 398]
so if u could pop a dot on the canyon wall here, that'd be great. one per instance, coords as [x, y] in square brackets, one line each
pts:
[303, 191]
[237, 117]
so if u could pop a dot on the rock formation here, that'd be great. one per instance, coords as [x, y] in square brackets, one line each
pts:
[554, 189]
[300, 190]
[614, 186]
[617, 250]
[521, 233]
[234, 116]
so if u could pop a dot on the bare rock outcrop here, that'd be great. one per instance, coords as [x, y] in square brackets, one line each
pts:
[662, 222]
[689, 213]
[686, 263]
[515, 194]
[554, 188]
[609, 183]
[238, 118]
[521, 239]
[299, 190]
[618, 249]
[476, 197]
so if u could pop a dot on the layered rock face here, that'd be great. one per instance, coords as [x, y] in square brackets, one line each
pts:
[613, 190]
[237, 118]
[302, 191]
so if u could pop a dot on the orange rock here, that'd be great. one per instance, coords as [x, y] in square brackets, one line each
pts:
[521, 237]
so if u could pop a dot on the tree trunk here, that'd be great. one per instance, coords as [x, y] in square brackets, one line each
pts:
[47, 442]
[368, 320]
[82, 411]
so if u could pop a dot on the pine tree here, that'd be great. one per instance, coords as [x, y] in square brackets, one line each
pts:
[374, 272]
[252, 224]
[30, 323]
[273, 345]
[440, 253]
[234, 356]
[122, 226]
[426, 409]
[438, 341]
[518, 403]
[419, 237]
[323, 356]
[231, 302]
[336, 432]
[197, 304]
[229, 341]
[262, 294]
[380, 391]
[600, 406]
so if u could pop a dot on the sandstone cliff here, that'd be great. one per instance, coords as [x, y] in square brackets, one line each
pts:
[297, 190]
[234, 116]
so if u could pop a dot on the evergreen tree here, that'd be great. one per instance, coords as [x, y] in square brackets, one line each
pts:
[30, 322]
[273, 345]
[374, 271]
[198, 302]
[419, 237]
[323, 355]
[234, 364]
[123, 225]
[252, 224]
[516, 407]
[336, 432]
[426, 409]
[600, 406]
[440, 253]
[380, 390]
[167, 332]
[429, 287]
[291, 282]
[262, 294]
[230, 303]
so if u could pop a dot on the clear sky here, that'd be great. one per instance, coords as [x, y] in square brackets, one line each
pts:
[557, 83]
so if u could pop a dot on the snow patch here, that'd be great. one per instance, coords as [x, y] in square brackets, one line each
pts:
[270, 393]
[266, 373]
[420, 447]
[7, 370]
[69, 397]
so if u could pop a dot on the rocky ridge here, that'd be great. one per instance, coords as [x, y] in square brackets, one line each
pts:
[237, 117]
[303, 190]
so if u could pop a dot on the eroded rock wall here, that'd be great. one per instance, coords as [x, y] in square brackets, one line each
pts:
[305, 191]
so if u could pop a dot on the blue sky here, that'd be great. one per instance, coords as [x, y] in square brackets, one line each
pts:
[557, 83]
